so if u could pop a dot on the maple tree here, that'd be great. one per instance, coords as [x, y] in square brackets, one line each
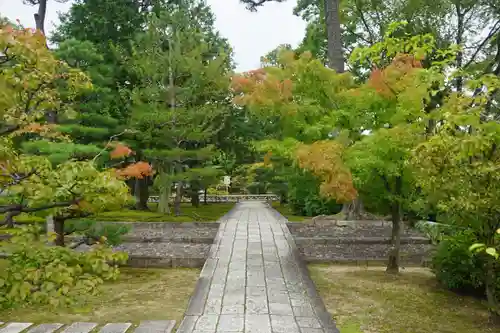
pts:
[30, 79]
[457, 168]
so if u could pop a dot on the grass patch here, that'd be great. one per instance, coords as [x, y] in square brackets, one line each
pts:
[366, 300]
[139, 294]
[287, 212]
[204, 213]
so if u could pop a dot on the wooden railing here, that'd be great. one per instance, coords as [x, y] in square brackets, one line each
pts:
[227, 198]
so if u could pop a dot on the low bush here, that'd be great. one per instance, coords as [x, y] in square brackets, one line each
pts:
[40, 274]
[304, 198]
[459, 269]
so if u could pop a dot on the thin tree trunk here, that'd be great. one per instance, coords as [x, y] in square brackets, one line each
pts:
[178, 199]
[59, 230]
[353, 210]
[491, 294]
[394, 253]
[165, 192]
[195, 193]
[141, 194]
[459, 41]
[334, 38]
[205, 196]
[9, 219]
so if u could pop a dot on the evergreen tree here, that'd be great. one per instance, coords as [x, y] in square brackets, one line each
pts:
[182, 100]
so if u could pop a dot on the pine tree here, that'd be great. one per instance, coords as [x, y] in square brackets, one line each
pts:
[182, 100]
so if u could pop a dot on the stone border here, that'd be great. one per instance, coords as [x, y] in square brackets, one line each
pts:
[358, 240]
[164, 262]
[376, 262]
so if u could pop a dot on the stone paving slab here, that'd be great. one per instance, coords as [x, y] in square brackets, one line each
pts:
[46, 328]
[80, 328]
[115, 328]
[15, 327]
[254, 280]
[158, 326]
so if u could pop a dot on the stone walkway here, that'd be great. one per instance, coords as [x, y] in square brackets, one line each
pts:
[160, 326]
[254, 280]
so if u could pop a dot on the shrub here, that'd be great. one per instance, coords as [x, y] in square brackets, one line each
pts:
[304, 198]
[38, 273]
[93, 231]
[459, 269]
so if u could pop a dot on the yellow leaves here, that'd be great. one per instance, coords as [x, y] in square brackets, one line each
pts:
[324, 159]
[267, 158]
[28, 86]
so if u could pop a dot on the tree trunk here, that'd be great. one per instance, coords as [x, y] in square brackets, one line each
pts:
[353, 210]
[165, 191]
[40, 16]
[195, 187]
[334, 39]
[195, 200]
[59, 230]
[178, 199]
[141, 193]
[491, 294]
[131, 185]
[459, 41]
[393, 264]
[9, 219]
[164, 200]
[205, 196]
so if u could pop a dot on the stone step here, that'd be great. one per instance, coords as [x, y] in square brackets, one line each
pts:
[152, 326]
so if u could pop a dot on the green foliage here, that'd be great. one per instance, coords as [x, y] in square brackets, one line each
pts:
[459, 269]
[93, 231]
[304, 196]
[53, 275]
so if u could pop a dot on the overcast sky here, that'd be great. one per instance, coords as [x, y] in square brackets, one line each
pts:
[252, 35]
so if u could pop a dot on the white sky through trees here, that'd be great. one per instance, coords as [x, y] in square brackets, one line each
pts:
[251, 35]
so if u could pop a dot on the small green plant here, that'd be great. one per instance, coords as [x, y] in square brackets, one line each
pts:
[457, 268]
[40, 274]
[93, 231]
[480, 247]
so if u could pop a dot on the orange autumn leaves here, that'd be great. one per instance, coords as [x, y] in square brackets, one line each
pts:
[261, 89]
[138, 170]
[397, 76]
[324, 159]
[257, 87]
